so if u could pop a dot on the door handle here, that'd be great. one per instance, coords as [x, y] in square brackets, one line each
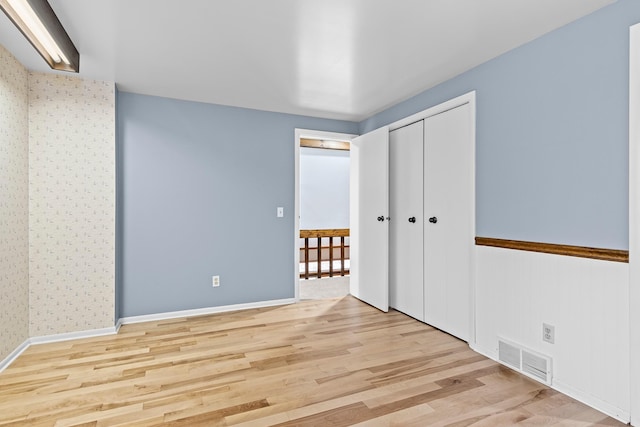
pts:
[380, 218]
[433, 220]
[412, 220]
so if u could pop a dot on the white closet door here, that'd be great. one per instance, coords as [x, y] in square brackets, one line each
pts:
[369, 210]
[406, 291]
[448, 211]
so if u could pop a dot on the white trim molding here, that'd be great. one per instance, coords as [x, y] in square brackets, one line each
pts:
[299, 134]
[467, 98]
[14, 355]
[634, 222]
[203, 311]
[135, 319]
[73, 335]
[54, 338]
[593, 401]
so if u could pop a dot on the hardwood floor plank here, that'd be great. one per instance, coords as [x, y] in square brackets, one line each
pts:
[215, 416]
[93, 417]
[333, 362]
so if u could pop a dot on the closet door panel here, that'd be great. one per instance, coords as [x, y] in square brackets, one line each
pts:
[369, 210]
[406, 291]
[448, 211]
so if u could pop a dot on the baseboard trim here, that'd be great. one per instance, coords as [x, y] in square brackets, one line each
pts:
[91, 333]
[51, 339]
[134, 319]
[594, 402]
[588, 400]
[14, 355]
[203, 311]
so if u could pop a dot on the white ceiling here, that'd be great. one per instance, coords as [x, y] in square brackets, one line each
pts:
[344, 59]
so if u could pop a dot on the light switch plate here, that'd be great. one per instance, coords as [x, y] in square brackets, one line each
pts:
[280, 212]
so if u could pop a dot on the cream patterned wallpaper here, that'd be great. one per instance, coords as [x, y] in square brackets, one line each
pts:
[14, 204]
[71, 204]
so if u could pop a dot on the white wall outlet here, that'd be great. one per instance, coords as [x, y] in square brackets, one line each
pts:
[548, 333]
[280, 212]
[216, 281]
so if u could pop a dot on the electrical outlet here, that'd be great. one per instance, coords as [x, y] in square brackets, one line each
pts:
[216, 281]
[548, 333]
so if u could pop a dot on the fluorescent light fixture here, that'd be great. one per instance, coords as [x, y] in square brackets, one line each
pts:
[40, 25]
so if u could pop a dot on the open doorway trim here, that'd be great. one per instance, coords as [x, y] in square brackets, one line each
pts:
[305, 134]
[325, 144]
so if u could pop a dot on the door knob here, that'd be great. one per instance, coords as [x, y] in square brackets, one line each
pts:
[433, 220]
[412, 219]
[380, 218]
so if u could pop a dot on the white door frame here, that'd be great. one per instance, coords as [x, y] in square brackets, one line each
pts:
[634, 223]
[467, 98]
[311, 134]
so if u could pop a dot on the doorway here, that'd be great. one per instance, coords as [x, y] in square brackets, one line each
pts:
[321, 214]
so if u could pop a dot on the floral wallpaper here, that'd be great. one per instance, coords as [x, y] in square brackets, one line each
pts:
[71, 204]
[14, 204]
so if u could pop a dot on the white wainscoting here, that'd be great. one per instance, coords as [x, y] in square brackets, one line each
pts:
[586, 300]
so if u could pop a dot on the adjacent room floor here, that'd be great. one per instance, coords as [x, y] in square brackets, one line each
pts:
[335, 362]
[327, 287]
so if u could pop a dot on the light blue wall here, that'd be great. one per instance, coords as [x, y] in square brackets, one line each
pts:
[324, 188]
[552, 133]
[200, 184]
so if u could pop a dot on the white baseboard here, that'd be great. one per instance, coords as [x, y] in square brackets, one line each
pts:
[53, 338]
[73, 335]
[135, 319]
[592, 401]
[202, 311]
[14, 355]
[588, 400]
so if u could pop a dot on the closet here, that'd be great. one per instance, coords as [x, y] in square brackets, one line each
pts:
[429, 220]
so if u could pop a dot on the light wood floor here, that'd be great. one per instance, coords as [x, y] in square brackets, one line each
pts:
[318, 363]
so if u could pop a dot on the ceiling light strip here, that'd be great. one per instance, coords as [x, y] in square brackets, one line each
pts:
[39, 24]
